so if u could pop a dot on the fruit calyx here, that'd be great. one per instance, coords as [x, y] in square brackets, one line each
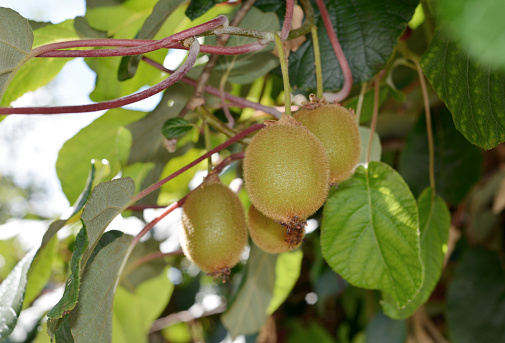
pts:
[294, 231]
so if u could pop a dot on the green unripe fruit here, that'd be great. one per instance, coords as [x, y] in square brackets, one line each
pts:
[214, 227]
[336, 128]
[286, 172]
[271, 236]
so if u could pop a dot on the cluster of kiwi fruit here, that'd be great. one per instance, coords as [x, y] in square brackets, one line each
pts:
[289, 166]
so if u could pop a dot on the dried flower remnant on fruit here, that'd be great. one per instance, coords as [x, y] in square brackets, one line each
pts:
[214, 228]
[286, 172]
[336, 128]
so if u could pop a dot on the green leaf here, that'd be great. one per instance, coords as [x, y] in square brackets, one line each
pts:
[106, 201]
[161, 11]
[458, 163]
[97, 141]
[370, 233]
[382, 329]
[375, 155]
[138, 173]
[248, 312]
[367, 30]
[83, 197]
[91, 320]
[16, 40]
[435, 221]
[72, 286]
[12, 291]
[479, 276]
[479, 26]
[135, 311]
[472, 92]
[40, 270]
[198, 8]
[246, 68]
[37, 72]
[287, 271]
[175, 127]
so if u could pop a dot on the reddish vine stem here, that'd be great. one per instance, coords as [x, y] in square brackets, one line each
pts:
[226, 144]
[288, 19]
[236, 100]
[106, 105]
[233, 157]
[127, 43]
[339, 53]
[145, 48]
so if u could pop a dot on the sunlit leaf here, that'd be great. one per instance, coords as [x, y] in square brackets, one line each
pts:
[98, 141]
[12, 291]
[16, 39]
[434, 223]
[248, 312]
[472, 92]
[287, 271]
[37, 72]
[135, 311]
[370, 233]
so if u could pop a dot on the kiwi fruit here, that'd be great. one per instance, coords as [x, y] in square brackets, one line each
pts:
[271, 236]
[214, 227]
[286, 172]
[336, 128]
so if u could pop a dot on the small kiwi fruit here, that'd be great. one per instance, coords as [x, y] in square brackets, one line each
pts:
[271, 236]
[214, 227]
[336, 128]
[286, 172]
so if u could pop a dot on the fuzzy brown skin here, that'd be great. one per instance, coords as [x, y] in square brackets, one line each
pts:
[214, 228]
[336, 128]
[286, 171]
[271, 236]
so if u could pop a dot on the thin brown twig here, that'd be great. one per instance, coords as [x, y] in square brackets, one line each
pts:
[288, 19]
[375, 114]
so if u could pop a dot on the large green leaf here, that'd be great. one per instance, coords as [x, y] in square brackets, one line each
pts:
[367, 30]
[197, 8]
[135, 311]
[479, 26]
[248, 312]
[370, 233]
[472, 92]
[72, 286]
[91, 320]
[99, 140]
[246, 68]
[105, 202]
[12, 291]
[287, 271]
[16, 40]
[434, 222]
[476, 299]
[458, 163]
[37, 72]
